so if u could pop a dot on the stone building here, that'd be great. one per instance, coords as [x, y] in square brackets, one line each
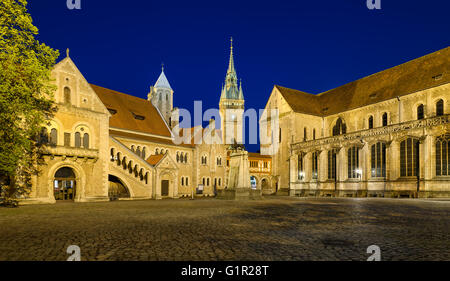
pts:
[105, 145]
[383, 135]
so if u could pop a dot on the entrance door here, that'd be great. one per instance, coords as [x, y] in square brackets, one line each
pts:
[165, 188]
[64, 184]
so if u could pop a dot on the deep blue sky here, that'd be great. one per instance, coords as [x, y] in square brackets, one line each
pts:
[311, 45]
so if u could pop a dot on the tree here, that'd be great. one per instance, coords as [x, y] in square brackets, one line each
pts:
[26, 98]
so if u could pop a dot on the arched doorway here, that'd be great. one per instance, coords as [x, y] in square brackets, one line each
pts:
[117, 189]
[64, 184]
[265, 184]
[253, 182]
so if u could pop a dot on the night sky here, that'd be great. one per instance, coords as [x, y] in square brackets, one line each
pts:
[311, 45]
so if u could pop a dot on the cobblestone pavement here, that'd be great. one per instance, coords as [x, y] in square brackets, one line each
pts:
[276, 228]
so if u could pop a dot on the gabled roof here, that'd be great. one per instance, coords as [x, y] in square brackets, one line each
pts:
[162, 82]
[422, 73]
[155, 159]
[132, 113]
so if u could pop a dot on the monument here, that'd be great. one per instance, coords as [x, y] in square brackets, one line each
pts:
[239, 187]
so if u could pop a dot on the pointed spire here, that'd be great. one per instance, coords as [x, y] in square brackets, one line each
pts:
[162, 81]
[231, 64]
[67, 52]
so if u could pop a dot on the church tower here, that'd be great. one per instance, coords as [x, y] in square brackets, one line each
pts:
[161, 96]
[231, 105]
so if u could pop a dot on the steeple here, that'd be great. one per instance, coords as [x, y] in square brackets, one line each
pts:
[162, 81]
[231, 63]
[231, 89]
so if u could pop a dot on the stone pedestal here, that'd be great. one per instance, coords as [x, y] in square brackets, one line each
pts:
[239, 187]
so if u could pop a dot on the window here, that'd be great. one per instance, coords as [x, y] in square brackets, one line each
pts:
[440, 108]
[144, 152]
[409, 157]
[178, 157]
[314, 134]
[301, 175]
[442, 156]
[138, 151]
[67, 139]
[340, 128]
[353, 162]
[77, 140]
[43, 136]
[53, 137]
[204, 160]
[185, 158]
[220, 181]
[187, 181]
[371, 122]
[315, 162]
[279, 140]
[207, 181]
[86, 141]
[305, 136]
[420, 112]
[332, 160]
[182, 181]
[385, 119]
[378, 160]
[67, 98]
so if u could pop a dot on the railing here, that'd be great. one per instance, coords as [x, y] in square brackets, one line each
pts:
[410, 125]
[71, 152]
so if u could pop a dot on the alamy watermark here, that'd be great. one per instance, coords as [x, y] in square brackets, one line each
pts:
[374, 4]
[74, 4]
[75, 253]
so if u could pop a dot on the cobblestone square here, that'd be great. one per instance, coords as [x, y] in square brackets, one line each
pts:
[273, 229]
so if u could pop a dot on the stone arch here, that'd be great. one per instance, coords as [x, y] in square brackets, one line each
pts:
[170, 177]
[88, 129]
[339, 127]
[254, 181]
[124, 181]
[80, 178]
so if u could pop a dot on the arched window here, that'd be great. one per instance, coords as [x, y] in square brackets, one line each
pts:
[112, 155]
[207, 181]
[182, 157]
[300, 172]
[420, 112]
[178, 157]
[315, 164]
[67, 97]
[378, 160]
[138, 151]
[353, 162]
[186, 181]
[124, 163]
[442, 155]
[279, 136]
[54, 137]
[132, 148]
[440, 108]
[305, 136]
[86, 141]
[385, 119]
[43, 136]
[182, 181]
[314, 134]
[409, 157]
[156, 151]
[185, 158]
[118, 159]
[371, 122]
[144, 152]
[332, 161]
[77, 140]
[340, 128]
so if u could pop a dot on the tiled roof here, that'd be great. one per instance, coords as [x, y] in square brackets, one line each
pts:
[132, 113]
[155, 159]
[258, 155]
[130, 135]
[422, 73]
